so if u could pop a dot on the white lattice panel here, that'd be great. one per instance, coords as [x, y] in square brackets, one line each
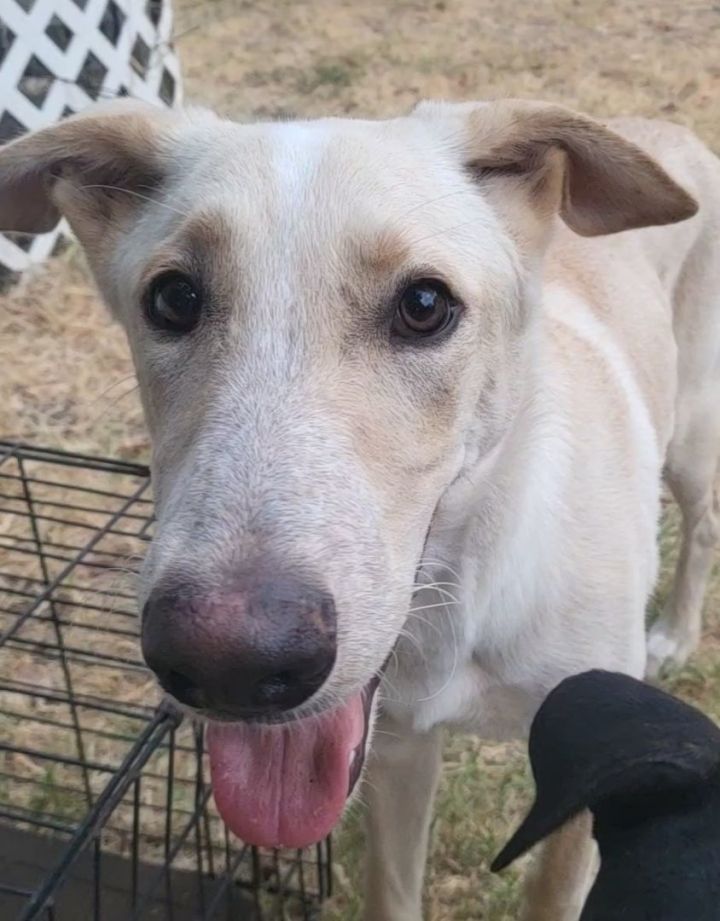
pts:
[59, 56]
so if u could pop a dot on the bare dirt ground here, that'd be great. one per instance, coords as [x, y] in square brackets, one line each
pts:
[66, 375]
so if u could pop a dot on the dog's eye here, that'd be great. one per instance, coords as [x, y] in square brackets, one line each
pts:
[174, 303]
[424, 309]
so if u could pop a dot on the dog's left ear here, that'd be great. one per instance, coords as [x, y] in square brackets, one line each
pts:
[602, 735]
[561, 162]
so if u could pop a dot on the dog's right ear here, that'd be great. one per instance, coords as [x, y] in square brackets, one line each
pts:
[550, 160]
[88, 167]
[601, 736]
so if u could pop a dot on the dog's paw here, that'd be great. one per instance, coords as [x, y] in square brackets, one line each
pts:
[666, 648]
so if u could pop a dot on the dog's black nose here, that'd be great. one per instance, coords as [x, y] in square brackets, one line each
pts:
[260, 649]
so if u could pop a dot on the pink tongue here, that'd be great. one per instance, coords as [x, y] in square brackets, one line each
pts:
[285, 786]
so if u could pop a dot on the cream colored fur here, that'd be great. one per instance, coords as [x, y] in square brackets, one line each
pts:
[484, 511]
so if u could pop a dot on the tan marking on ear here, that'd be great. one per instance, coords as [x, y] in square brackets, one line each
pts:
[599, 184]
[93, 168]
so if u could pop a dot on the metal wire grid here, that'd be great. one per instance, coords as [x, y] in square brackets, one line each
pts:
[105, 790]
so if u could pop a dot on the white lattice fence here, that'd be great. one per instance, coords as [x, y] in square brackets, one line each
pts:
[59, 56]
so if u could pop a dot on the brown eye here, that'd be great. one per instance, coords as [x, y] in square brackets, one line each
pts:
[425, 309]
[174, 303]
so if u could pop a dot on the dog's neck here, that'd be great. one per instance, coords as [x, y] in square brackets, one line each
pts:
[497, 496]
[473, 545]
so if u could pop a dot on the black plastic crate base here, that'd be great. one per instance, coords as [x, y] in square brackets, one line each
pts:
[106, 810]
[23, 856]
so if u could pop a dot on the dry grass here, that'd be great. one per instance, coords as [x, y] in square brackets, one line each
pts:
[66, 369]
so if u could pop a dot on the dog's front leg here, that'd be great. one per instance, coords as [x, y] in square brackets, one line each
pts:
[563, 873]
[402, 778]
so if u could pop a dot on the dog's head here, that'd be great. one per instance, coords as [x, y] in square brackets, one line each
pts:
[330, 322]
[648, 767]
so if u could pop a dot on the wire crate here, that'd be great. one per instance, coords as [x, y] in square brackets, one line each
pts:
[105, 805]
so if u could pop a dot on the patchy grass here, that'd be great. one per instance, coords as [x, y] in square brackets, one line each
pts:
[334, 73]
[49, 797]
[67, 378]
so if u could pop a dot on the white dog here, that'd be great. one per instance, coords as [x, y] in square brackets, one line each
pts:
[411, 385]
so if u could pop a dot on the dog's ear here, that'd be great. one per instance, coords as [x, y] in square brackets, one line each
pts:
[562, 162]
[601, 736]
[89, 167]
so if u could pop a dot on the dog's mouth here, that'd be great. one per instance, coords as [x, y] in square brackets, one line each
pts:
[286, 785]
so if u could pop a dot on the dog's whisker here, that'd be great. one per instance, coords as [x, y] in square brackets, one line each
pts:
[443, 230]
[449, 600]
[106, 390]
[438, 587]
[435, 581]
[414, 640]
[440, 591]
[387, 683]
[453, 671]
[415, 615]
[135, 194]
[442, 564]
[396, 660]
[425, 584]
[398, 222]
[386, 732]
[429, 624]
[111, 404]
